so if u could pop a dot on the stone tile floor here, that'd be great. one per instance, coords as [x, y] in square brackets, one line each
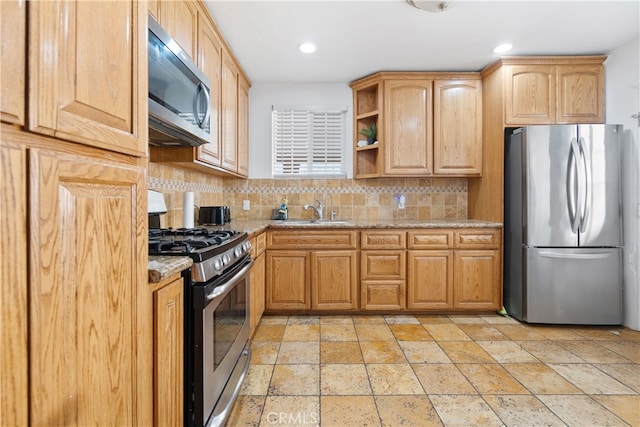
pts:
[455, 370]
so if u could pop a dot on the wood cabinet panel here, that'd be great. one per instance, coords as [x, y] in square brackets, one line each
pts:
[14, 359]
[477, 239]
[334, 280]
[168, 354]
[382, 295]
[229, 117]
[243, 126]
[153, 6]
[383, 239]
[258, 291]
[311, 239]
[457, 134]
[261, 243]
[430, 280]
[381, 265]
[408, 128]
[210, 62]
[477, 283]
[430, 239]
[530, 92]
[179, 18]
[89, 351]
[95, 96]
[288, 280]
[580, 91]
[13, 37]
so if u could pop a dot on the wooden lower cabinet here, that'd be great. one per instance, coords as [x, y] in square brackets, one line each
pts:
[334, 280]
[288, 280]
[257, 294]
[168, 352]
[383, 294]
[430, 280]
[477, 279]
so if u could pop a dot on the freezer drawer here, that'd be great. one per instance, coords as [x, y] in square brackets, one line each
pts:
[573, 286]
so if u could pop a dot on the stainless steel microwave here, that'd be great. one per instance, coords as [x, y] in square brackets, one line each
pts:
[179, 93]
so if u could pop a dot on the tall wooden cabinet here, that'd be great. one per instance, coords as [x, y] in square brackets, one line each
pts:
[79, 339]
[429, 124]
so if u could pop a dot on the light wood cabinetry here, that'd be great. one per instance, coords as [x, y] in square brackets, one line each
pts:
[457, 133]
[383, 269]
[179, 18]
[257, 281]
[83, 93]
[454, 269]
[429, 124]
[311, 269]
[13, 16]
[228, 152]
[519, 91]
[168, 351]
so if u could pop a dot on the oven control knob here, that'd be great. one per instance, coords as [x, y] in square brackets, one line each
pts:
[217, 264]
[246, 246]
[225, 259]
[237, 252]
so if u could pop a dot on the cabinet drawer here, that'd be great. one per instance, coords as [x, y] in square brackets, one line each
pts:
[387, 239]
[430, 239]
[311, 239]
[383, 264]
[383, 295]
[477, 239]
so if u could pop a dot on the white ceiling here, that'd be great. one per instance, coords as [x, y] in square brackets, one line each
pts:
[357, 38]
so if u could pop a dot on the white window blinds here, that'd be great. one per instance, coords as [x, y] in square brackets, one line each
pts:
[308, 141]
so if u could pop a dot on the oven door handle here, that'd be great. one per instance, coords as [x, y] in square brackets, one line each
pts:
[222, 289]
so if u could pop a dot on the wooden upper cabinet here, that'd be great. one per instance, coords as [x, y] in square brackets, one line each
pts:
[554, 90]
[243, 126]
[88, 73]
[408, 127]
[153, 6]
[530, 94]
[457, 135]
[13, 36]
[89, 332]
[179, 18]
[210, 62]
[580, 92]
[229, 117]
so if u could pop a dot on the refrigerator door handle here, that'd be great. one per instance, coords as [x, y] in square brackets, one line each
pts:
[586, 165]
[572, 178]
[565, 255]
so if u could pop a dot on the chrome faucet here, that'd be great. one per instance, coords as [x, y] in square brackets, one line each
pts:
[318, 209]
[332, 213]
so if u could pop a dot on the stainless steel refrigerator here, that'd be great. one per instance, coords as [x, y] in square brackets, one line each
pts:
[563, 224]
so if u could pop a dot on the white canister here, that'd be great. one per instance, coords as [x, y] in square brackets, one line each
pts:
[188, 209]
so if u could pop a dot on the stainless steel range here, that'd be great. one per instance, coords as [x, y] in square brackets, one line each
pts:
[216, 316]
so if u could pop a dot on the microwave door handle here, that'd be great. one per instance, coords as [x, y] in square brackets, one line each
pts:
[196, 106]
[208, 103]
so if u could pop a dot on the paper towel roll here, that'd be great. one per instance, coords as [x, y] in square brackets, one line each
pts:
[188, 212]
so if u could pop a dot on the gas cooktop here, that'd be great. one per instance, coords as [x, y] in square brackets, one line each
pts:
[197, 243]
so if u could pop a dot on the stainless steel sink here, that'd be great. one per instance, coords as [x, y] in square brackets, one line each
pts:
[313, 222]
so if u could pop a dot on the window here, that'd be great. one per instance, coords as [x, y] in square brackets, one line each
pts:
[308, 141]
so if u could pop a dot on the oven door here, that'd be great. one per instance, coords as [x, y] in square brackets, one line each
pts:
[221, 357]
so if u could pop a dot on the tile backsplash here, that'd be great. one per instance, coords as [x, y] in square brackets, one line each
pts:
[371, 199]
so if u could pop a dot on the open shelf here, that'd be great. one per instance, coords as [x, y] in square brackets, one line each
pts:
[368, 147]
[373, 113]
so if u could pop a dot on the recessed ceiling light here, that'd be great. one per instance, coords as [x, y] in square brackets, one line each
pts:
[307, 48]
[502, 48]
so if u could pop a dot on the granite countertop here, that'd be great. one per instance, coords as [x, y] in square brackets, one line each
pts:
[161, 267]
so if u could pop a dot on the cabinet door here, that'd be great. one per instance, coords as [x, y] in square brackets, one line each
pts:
[89, 344]
[14, 382]
[288, 280]
[229, 118]
[210, 62]
[580, 94]
[430, 280]
[530, 92]
[476, 279]
[243, 126]
[334, 280]
[88, 74]
[168, 366]
[257, 294]
[13, 50]
[457, 135]
[383, 295]
[179, 18]
[408, 117]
